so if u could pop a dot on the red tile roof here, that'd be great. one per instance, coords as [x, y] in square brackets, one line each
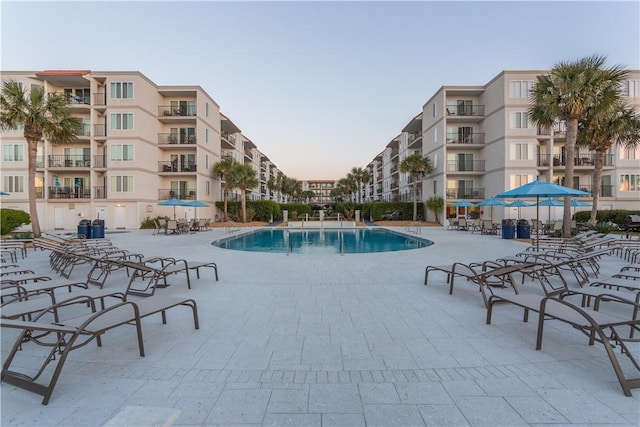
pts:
[63, 72]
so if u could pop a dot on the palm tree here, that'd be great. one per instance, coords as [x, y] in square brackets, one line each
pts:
[360, 176]
[278, 185]
[599, 131]
[308, 195]
[291, 187]
[243, 177]
[221, 170]
[43, 116]
[417, 166]
[566, 94]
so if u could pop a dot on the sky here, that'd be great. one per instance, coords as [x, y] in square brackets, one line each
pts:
[319, 87]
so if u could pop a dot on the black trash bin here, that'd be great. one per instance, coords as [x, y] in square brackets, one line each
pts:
[523, 229]
[97, 229]
[508, 229]
[84, 228]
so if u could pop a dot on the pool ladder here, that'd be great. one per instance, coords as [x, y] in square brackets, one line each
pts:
[414, 227]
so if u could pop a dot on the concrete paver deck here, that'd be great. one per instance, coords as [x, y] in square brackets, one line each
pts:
[328, 340]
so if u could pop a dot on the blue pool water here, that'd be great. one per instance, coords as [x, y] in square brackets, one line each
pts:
[325, 241]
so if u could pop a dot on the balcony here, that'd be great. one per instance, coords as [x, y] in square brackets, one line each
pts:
[99, 192]
[228, 140]
[100, 130]
[465, 166]
[456, 138]
[414, 140]
[64, 161]
[100, 99]
[465, 193]
[166, 194]
[60, 192]
[558, 130]
[176, 167]
[179, 111]
[84, 131]
[99, 162]
[582, 160]
[544, 160]
[454, 110]
[175, 139]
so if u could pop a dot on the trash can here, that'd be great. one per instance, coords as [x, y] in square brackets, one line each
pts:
[97, 229]
[84, 228]
[508, 229]
[523, 229]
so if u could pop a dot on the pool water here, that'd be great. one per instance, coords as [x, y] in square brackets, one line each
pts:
[323, 241]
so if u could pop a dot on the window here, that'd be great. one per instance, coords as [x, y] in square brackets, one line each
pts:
[629, 182]
[435, 187]
[121, 89]
[206, 109]
[519, 180]
[207, 188]
[121, 120]
[13, 153]
[519, 120]
[206, 135]
[434, 109]
[435, 135]
[630, 153]
[122, 184]
[520, 88]
[13, 184]
[206, 161]
[122, 152]
[521, 152]
[630, 88]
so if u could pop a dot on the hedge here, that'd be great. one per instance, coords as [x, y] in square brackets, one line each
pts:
[617, 216]
[10, 219]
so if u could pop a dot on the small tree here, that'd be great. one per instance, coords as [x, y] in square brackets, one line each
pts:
[243, 177]
[417, 166]
[435, 204]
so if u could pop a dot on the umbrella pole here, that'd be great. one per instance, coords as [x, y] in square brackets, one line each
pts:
[538, 223]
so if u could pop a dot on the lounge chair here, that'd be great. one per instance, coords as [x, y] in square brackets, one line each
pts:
[68, 335]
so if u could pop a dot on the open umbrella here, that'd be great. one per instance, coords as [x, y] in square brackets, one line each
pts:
[491, 202]
[463, 203]
[173, 202]
[3, 193]
[578, 204]
[519, 204]
[195, 204]
[537, 189]
[549, 203]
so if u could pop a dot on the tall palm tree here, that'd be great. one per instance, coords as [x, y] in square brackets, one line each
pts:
[221, 170]
[417, 166]
[278, 181]
[291, 188]
[566, 94]
[43, 116]
[599, 131]
[243, 177]
[360, 176]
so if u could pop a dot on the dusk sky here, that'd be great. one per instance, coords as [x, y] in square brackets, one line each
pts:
[319, 87]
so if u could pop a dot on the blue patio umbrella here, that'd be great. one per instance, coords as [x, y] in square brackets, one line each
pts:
[491, 202]
[173, 202]
[537, 189]
[196, 204]
[3, 193]
[519, 204]
[578, 204]
[550, 202]
[463, 203]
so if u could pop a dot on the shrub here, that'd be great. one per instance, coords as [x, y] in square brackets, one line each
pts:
[435, 204]
[605, 227]
[375, 210]
[617, 216]
[10, 219]
[149, 223]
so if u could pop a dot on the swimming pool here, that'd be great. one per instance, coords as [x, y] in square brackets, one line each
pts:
[322, 241]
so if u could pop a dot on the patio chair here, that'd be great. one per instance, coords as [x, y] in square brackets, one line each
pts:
[476, 225]
[452, 224]
[463, 224]
[172, 227]
[67, 335]
[488, 227]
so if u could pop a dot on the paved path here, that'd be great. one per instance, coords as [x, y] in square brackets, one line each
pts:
[329, 341]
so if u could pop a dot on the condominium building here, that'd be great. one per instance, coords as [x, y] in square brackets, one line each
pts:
[322, 188]
[140, 144]
[481, 142]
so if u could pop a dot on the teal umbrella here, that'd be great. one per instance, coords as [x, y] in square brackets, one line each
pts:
[465, 204]
[550, 202]
[519, 204]
[537, 189]
[578, 204]
[196, 204]
[173, 202]
[3, 193]
[491, 202]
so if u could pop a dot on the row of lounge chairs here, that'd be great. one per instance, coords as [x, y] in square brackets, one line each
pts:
[62, 315]
[558, 273]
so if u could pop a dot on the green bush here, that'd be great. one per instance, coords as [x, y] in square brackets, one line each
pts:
[617, 216]
[265, 210]
[149, 223]
[10, 219]
[301, 208]
[375, 210]
[605, 228]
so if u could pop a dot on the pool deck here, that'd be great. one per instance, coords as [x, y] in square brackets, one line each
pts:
[328, 340]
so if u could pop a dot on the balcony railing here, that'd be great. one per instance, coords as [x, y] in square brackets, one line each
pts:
[172, 138]
[544, 160]
[61, 192]
[229, 137]
[465, 193]
[64, 161]
[465, 110]
[582, 160]
[99, 99]
[78, 100]
[465, 165]
[99, 192]
[474, 138]
[99, 161]
[556, 129]
[176, 167]
[85, 130]
[166, 194]
[100, 130]
[168, 111]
